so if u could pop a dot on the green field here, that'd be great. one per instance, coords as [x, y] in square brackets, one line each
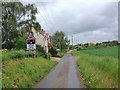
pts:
[98, 67]
[21, 71]
[108, 51]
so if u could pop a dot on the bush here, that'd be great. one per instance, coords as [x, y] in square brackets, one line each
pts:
[20, 43]
[40, 50]
[47, 56]
[61, 53]
[79, 49]
[14, 54]
[53, 52]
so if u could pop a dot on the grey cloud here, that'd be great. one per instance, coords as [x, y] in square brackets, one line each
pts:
[83, 17]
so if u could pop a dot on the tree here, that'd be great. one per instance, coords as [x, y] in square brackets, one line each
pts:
[9, 32]
[60, 41]
[28, 20]
[86, 45]
[20, 43]
[17, 19]
[37, 26]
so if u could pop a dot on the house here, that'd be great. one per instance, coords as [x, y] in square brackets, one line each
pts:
[43, 39]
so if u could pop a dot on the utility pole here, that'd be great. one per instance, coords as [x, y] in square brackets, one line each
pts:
[72, 41]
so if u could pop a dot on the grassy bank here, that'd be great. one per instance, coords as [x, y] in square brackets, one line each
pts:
[99, 67]
[14, 54]
[25, 73]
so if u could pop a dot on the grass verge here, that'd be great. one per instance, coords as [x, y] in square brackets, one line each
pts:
[98, 71]
[25, 73]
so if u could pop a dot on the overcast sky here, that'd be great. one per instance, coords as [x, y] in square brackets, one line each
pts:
[87, 21]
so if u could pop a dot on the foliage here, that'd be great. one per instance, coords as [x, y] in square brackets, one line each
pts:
[99, 45]
[79, 49]
[47, 56]
[56, 53]
[37, 26]
[102, 44]
[61, 53]
[9, 32]
[14, 54]
[99, 67]
[60, 41]
[20, 43]
[41, 51]
[110, 43]
[53, 51]
[25, 72]
[99, 72]
[17, 19]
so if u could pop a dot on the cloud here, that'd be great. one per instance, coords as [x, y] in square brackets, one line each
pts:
[98, 20]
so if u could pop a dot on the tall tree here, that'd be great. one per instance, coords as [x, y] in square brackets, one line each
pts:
[9, 25]
[17, 19]
[60, 41]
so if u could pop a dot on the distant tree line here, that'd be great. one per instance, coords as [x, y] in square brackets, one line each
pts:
[108, 43]
[98, 45]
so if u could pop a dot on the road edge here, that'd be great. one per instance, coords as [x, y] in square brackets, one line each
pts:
[40, 80]
[79, 74]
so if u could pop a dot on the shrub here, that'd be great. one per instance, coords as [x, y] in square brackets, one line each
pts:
[40, 50]
[20, 43]
[79, 49]
[61, 53]
[14, 54]
[47, 56]
[53, 52]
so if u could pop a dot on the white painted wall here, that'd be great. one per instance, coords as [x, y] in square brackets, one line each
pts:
[39, 38]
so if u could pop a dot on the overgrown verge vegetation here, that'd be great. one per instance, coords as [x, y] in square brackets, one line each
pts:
[99, 67]
[61, 53]
[55, 53]
[25, 73]
[20, 69]
[14, 54]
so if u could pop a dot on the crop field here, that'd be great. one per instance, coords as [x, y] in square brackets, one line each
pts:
[98, 67]
[108, 51]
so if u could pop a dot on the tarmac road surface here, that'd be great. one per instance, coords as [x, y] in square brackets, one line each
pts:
[65, 75]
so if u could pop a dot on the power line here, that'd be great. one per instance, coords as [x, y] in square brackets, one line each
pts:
[44, 20]
[47, 14]
[44, 11]
[72, 39]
